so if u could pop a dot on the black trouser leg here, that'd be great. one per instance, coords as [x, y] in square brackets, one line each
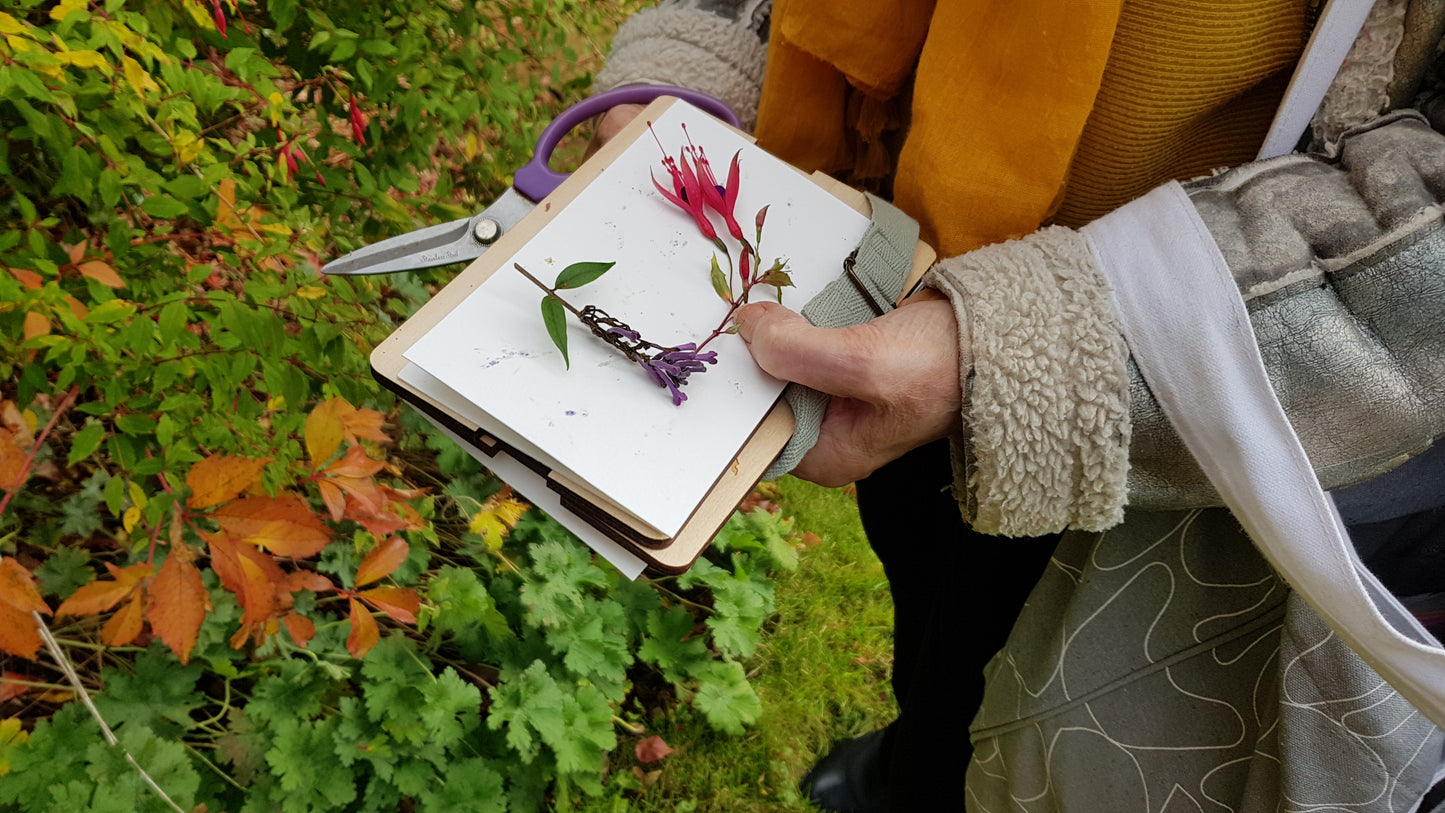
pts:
[956, 594]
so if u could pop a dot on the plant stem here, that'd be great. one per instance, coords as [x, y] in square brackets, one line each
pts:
[198, 755]
[548, 291]
[723, 325]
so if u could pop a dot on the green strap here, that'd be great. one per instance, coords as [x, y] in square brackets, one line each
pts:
[883, 260]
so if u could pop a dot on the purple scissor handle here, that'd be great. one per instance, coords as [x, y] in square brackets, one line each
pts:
[536, 180]
[466, 239]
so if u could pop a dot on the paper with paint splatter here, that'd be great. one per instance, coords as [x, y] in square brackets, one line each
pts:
[604, 420]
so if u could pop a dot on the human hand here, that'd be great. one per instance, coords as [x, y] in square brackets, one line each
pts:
[894, 380]
[609, 124]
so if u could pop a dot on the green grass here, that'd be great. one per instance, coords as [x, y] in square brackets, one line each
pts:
[821, 673]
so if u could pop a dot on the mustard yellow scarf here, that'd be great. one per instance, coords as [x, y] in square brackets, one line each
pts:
[1023, 110]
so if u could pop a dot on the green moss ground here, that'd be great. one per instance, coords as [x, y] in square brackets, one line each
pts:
[821, 673]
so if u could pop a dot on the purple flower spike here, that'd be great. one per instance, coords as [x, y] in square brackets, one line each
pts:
[670, 367]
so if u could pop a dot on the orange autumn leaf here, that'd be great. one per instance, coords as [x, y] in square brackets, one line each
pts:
[334, 498]
[19, 596]
[77, 308]
[307, 580]
[224, 560]
[365, 423]
[366, 499]
[364, 632]
[401, 494]
[35, 325]
[27, 278]
[177, 603]
[99, 596]
[102, 273]
[284, 525]
[19, 635]
[302, 629]
[258, 591]
[400, 603]
[355, 464]
[220, 478]
[324, 430]
[18, 589]
[12, 462]
[125, 625]
[382, 561]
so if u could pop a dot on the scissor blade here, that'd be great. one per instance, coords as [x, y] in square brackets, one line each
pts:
[457, 241]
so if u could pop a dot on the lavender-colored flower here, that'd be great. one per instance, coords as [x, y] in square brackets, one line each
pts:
[671, 366]
[630, 335]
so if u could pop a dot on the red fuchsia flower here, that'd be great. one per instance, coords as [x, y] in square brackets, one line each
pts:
[686, 191]
[721, 199]
[358, 122]
[220, 16]
[286, 160]
[690, 200]
[670, 165]
[743, 269]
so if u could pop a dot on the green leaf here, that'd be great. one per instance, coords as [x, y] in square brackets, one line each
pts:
[109, 312]
[720, 282]
[530, 706]
[86, 441]
[726, 698]
[283, 13]
[160, 695]
[311, 776]
[163, 206]
[578, 274]
[450, 708]
[172, 321]
[67, 570]
[136, 424]
[594, 645]
[165, 760]
[672, 646]
[553, 589]
[554, 315]
[468, 784]
[466, 611]
[53, 757]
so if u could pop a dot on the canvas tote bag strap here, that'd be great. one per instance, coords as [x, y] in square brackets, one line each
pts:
[1334, 33]
[1189, 334]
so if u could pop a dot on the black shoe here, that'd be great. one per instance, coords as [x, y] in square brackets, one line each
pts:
[851, 778]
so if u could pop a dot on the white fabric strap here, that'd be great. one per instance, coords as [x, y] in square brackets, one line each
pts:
[1191, 337]
[1334, 33]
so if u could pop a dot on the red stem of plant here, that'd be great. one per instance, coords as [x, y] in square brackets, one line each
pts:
[65, 404]
[736, 303]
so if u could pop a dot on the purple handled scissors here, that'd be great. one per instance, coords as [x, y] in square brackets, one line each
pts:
[466, 239]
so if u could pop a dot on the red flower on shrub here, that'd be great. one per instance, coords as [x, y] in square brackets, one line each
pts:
[220, 16]
[358, 123]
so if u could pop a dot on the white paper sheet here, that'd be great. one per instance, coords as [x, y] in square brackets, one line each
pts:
[604, 420]
[533, 488]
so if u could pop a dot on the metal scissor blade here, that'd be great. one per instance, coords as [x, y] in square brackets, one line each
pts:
[457, 241]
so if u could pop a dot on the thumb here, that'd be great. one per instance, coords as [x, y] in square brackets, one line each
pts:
[787, 346]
